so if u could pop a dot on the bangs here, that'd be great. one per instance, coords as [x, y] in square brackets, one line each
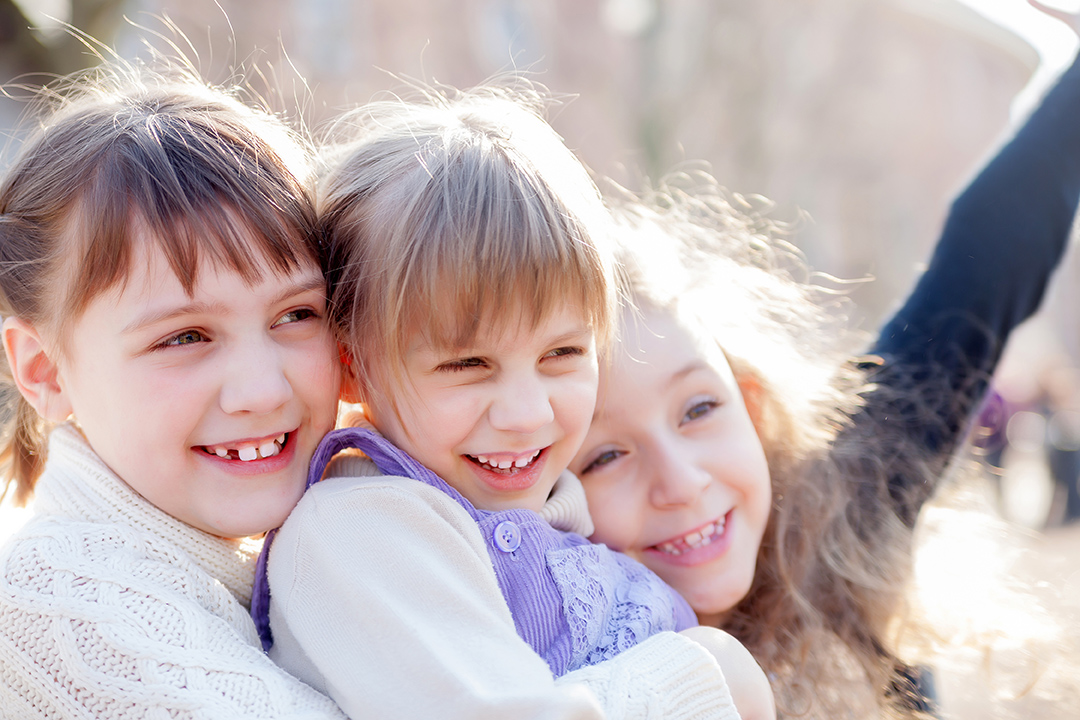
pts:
[489, 246]
[462, 223]
[198, 184]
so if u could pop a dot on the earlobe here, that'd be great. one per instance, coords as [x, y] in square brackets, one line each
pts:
[34, 371]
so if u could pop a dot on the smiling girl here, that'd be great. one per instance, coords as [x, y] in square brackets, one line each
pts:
[473, 286]
[740, 452]
[172, 371]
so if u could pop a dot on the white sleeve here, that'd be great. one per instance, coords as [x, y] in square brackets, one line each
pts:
[102, 624]
[383, 597]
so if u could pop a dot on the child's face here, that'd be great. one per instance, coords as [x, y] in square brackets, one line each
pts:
[501, 419]
[188, 399]
[672, 466]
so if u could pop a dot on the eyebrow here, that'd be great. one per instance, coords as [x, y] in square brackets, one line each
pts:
[572, 335]
[197, 308]
[675, 379]
[690, 369]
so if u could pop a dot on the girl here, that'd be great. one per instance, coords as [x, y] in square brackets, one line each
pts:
[164, 326]
[164, 323]
[472, 288]
[854, 446]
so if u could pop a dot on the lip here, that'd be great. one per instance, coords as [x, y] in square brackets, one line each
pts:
[259, 466]
[720, 544]
[517, 480]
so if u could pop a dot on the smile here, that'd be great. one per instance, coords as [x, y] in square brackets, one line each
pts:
[694, 539]
[503, 462]
[248, 452]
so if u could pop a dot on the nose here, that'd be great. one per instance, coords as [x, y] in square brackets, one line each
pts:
[675, 477]
[255, 380]
[522, 404]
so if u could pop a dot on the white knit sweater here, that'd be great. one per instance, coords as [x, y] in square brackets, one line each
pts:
[110, 608]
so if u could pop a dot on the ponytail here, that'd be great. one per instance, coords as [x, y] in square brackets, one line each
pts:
[22, 454]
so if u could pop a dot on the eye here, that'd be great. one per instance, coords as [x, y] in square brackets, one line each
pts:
[699, 410]
[463, 364]
[565, 352]
[604, 458]
[187, 337]
[297, 315]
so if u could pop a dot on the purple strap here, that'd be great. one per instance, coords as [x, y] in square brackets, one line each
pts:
[389, 459]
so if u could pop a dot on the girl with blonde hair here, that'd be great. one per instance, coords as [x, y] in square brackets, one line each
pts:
[472, 282]
[742, 452]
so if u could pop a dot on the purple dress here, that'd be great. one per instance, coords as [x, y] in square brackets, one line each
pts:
[576, 603]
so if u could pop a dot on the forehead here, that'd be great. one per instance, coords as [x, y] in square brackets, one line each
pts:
[506, 325]
[151, 288]
[658, 348]
[151, 258]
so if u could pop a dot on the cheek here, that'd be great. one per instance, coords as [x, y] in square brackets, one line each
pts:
[757, 481]
[614, 516]
[576, 409]
[319, 375]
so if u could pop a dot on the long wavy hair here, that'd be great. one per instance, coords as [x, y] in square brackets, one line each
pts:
[835, 559]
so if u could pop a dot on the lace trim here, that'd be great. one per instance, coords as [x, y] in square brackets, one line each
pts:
[611, 603]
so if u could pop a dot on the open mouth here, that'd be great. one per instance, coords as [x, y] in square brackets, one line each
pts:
[505, 463]
[249, 452]
[699, 538]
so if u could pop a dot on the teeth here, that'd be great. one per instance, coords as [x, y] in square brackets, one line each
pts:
[693, 540]
[268, 449]
[505, 464]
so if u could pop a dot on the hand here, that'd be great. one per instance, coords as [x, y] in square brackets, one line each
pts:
[1071, 19]
[746, 680]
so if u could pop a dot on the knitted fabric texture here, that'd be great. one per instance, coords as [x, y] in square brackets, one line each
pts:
[574, 602]
[110, 608]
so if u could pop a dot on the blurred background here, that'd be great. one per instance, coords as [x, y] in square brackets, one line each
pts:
[859, 119]
[866, 115]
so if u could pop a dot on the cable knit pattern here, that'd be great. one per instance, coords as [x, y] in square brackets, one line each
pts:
[110, 608]
[567, 508]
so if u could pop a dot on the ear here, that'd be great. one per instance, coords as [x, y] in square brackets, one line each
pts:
[753, 394]
[35, 372]
[350, 385]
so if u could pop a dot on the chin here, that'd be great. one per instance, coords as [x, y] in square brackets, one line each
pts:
[716, 601]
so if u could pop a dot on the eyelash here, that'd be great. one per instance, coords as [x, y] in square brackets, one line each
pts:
[599, 461]
[707, 407]
[175, 341]
[565, 352]
[463, 364]
[476, 362]
[307, 313]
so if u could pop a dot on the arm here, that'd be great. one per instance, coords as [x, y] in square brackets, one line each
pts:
[382, 594]
[1003, 238]
[99, 621]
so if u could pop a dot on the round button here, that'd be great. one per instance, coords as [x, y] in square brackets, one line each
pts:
[507, 536]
